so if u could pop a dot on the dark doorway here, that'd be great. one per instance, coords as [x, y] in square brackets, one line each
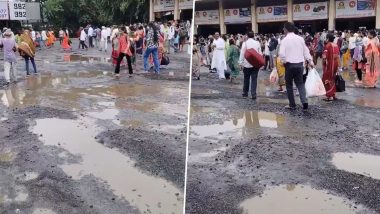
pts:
[238, 28]
[312, 26]
[206, 30]
[186, 15]
[355, 24]
[271, 27]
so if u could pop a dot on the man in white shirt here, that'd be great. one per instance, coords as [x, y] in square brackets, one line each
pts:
[250, 73]
[82, 38]
[33, 34]
[219, 58]
[103, 39]
[109, 31]
[91, 36]
[172, 37]
[352, 43]
[293, 53]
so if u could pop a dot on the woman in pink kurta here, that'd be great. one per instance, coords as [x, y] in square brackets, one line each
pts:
[372, 53]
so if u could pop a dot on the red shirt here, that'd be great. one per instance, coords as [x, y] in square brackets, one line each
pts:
[124, 44]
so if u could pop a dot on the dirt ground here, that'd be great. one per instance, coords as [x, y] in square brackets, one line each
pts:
[74, 139]
[249, 156]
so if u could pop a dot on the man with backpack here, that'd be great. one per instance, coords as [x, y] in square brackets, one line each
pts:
[273, 43]
[250, 72]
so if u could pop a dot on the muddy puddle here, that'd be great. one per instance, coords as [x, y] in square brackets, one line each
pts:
[247, 123]
[297, 199]
[53, 89]
[148, 193]
[359, 163]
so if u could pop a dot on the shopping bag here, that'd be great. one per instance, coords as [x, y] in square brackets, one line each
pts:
[314, 85]
[273, 78]
[340, 83]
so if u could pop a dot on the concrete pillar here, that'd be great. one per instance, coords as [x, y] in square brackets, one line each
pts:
[151, 10]
[255, 26]
[176, 10]
[332, 15]
[290, 10]
[221, 18]
[378, 15]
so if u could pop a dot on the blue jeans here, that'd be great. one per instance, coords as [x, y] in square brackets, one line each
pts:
[27, 58]
[154, 52]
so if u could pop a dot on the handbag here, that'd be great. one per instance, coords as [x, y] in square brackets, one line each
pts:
[165, 60]
[340, 83]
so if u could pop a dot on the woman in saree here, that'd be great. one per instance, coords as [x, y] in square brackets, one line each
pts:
[372, 54]
[27, 50]
[233, 54]
[330, 67]
[66, 43]
[51, 38]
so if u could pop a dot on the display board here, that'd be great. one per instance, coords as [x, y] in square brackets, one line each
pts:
[4, 12]
[33, 11]
[186, 4]
[163, 5]
[355, 8]
[272, 14]
[17, 10]
[310, 11]
[236, 16]
[206, 17]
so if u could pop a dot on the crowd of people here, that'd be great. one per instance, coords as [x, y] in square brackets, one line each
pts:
[291, 55]
[153, 42]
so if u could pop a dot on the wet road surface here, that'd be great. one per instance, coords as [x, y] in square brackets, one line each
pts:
[76, 140]
[256, 157]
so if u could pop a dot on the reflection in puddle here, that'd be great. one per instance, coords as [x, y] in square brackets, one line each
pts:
[18, 194]
[364, 164]
[292, 199]
[141, 190]
[248, 123]
[43, 211]
[27, 176]
[84, 59]
[7, 156]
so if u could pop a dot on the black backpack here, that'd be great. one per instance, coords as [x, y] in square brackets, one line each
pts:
[273, 44]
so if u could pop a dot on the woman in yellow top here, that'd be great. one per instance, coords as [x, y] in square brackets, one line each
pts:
[281, 74]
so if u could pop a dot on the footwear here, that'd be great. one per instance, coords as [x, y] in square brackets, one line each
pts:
[290, 107]
[358, 82]
[305, 106]
[327, 100]
[245, 96]
[117, 75]
[130, 75]
[254, 97]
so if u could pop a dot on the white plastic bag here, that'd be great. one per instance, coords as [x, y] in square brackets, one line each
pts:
[273, 78]
[314, 85]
